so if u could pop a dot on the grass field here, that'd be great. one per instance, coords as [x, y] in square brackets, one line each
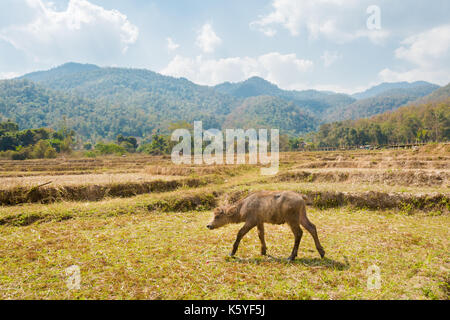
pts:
[155, 244]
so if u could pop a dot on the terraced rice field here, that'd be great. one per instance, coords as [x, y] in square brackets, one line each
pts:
[135, 228]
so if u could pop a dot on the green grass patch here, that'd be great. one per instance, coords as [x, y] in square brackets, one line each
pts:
[160, 255]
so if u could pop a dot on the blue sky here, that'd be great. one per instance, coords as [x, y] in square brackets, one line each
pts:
[296, 44]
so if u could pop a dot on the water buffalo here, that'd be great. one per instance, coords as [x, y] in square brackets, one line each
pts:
[267, 207]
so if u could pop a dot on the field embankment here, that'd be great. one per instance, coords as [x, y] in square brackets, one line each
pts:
[136, 228]
[92, 191]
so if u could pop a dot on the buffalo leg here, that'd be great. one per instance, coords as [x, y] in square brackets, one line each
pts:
[298, 232]
[244, 230]
[261, 238]
[313, 231]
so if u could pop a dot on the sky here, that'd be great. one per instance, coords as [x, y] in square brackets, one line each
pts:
[337, 45]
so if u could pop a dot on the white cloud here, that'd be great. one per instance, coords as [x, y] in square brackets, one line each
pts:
[417, 74]
[171, 45]
[207, 39]
[283, 70]
[428, 52]
[329, 18]
[424, 48]
[83, 31]
[329, 58]
[8, 75]
[338, 88]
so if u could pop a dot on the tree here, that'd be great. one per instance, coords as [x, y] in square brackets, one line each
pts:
[158, 146]
[43, 150]
[109, 148]
[8, 142]
[87, 146]
[129, 143]
[8, 126]
[180, 125]
[426, 122]
[67, 144]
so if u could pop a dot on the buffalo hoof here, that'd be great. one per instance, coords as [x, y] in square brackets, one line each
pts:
[322, 253]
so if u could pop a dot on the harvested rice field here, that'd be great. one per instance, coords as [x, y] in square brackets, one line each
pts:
[135, 227]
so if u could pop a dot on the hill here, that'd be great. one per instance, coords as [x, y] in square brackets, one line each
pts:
[316, 102]
[163, 100]
[65, 70]
[137, 87]
[385, 87]
[387, 101]
[438, 95]
[271, 112]
[424, 122]
[34, 106]
[100, 103]
[162, 96]
[139, 94]
[252, 87]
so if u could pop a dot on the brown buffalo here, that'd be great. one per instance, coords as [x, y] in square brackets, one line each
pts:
[267, 207]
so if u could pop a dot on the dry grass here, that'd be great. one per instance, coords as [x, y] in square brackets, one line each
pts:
[152, 242]
[200, 170]
[173, 256]
[428, 178]
[92, 192]
[85, 179]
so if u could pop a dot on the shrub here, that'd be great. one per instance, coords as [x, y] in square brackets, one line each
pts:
[41, 149]
[87, 146]
[90, 154]
[109, 148]
[158, 146]
[50, 153]
[128, 146]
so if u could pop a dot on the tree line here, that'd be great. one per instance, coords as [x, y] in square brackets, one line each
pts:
[423, 123]
[18, 144]
[428, 122]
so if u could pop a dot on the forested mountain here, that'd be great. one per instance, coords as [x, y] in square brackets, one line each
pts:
[440, 94]
[101, 103]
[144, 87]
[316, 102]
[155, 100]
[68, 69]
[425, 119]
[163, 98]
[385, 87]
[424, 122]
[387, 101]
[252, 87]
[33, 106]
[271, 112]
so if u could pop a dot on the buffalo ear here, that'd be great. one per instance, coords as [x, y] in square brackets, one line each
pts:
[219, 211]
[230, 211]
